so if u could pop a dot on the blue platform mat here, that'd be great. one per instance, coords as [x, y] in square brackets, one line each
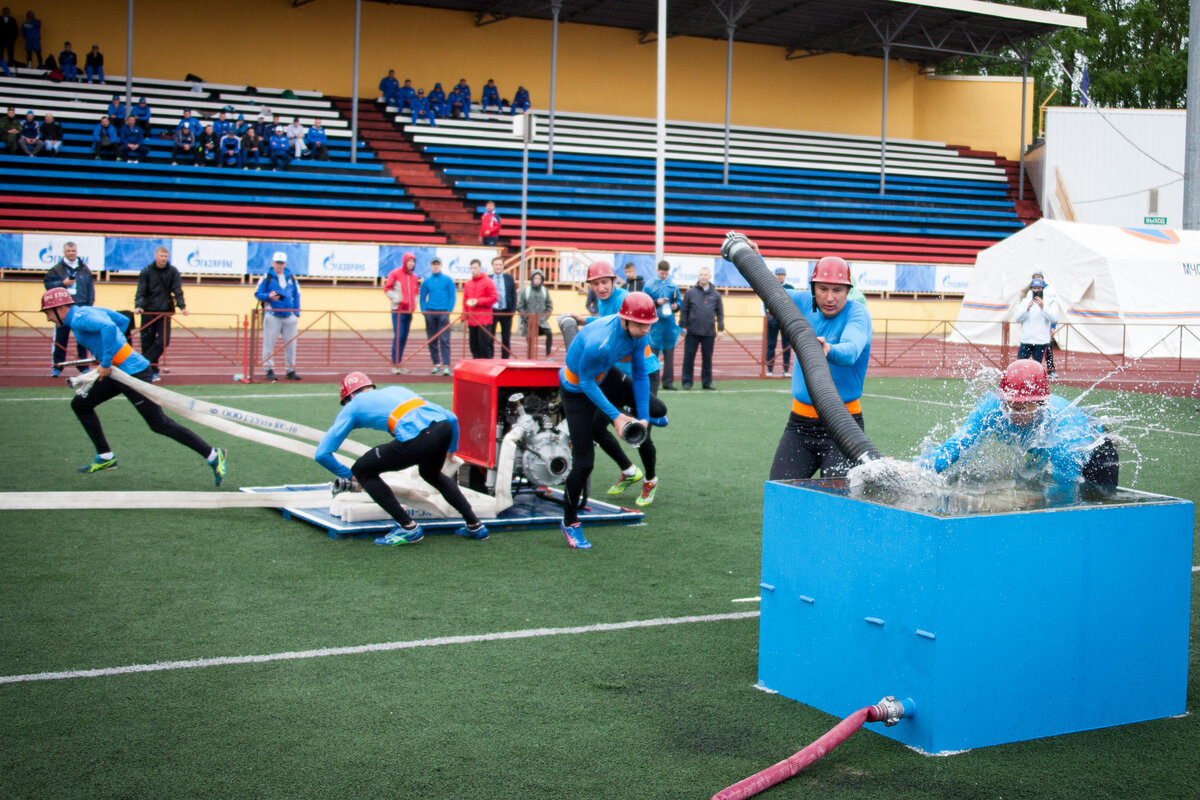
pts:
[531, 508]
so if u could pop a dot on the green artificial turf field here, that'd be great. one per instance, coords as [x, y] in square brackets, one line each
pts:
[659, 711]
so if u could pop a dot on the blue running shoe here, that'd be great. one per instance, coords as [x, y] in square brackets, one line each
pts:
[659, 422]
[218, 465]
[574, 536]
[479, 533]
[98, 464]
[398, 535]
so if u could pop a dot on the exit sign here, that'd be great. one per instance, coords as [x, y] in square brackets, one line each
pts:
[1155, 220]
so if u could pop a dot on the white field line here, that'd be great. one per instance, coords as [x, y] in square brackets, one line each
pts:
[746, 600]
[299, 655]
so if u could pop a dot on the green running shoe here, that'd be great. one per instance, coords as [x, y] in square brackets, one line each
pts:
[98, 464]
[647, 493]
[626, 481]
[218, 466]
[398, 535]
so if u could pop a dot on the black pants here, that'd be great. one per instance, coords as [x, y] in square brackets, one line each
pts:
[806, 446]
[1103, 465]
[156, 335]
[774, 334]
[690, 343]
[504, 321]
[59, 354]
[1035, 351]
[667, 357]
[480, 341]
[620, 391]
[106, 389]
[427, 451]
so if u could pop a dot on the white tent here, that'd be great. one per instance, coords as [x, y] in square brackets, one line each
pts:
[1120, 290]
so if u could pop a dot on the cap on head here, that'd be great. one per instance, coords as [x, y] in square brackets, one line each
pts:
[354, 382]
[638, 307]
[780, 271]
[832, 269]
[279, 256]
[600, 269]
[1037, 283]
[56, 297]
[1024, 381]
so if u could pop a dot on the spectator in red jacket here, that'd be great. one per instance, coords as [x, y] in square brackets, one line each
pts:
[402, 287]
[479, 295]
[489, 230]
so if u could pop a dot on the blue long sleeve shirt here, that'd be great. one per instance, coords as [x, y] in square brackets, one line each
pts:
[609, 308]
[392, 409]
[287, 286]
[596, 349]
[438, 293]
[848, 334]
[100, 331]
[1062, 437]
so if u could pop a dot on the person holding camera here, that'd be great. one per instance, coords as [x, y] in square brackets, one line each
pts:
[1038, 313]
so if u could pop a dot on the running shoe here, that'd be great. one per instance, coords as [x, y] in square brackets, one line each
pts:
[446, 370]
[218, 465]
[479, 533]
[626, 481]
[398, 535]
[574, 536]
[436, 370]
[660, 422]
[647, 493]
[98, 464]
[400, 370]
[55, 372]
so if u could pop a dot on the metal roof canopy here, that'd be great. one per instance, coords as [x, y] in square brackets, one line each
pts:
[925, 31]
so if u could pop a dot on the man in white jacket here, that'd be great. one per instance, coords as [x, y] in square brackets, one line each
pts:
[1038, 313]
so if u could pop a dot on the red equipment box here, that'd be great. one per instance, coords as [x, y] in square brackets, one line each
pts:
[481, 387]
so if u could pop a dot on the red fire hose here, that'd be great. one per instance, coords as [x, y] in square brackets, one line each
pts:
[889, 711]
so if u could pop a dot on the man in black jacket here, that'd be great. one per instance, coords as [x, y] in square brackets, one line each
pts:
[702, 315]
[159, 294]
[72, 274]
[506, 305]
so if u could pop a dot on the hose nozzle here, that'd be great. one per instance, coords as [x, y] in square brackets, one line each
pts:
[634, 433]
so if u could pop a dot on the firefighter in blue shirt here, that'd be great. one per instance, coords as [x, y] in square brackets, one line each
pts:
[423, 434]
[843, 328]
[589, 383]
[100, 330]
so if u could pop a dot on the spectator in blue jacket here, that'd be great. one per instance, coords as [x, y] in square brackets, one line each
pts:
[407, 95]
[458, 105]
[207, 148]
[141, 112]
[464, 91]
[389, 87]
[240, 126]
[664, 334]
[191, 123]
[116, 111]
[133, 142]
[315, 139]
[280, 295]
[222, 124]
[30, 140]
[72, 274]
[105, 138]
[520, 101]
[31, 31]
[68, 62]
[491, 95]
[438, 294]
[281, 153]
[421, 109]
[231, 150]
[184, 145]
[437, 101]
[93, 66]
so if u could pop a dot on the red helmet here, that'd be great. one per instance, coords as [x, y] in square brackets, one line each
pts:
[1024, 382]
[638, 307]
[600, 269]
[56, 297]
[354, 382]
[831, 269]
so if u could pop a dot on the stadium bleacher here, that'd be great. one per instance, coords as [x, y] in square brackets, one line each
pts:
[802, 194]
[309, 200]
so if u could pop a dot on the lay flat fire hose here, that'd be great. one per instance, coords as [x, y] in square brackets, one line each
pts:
[810, 355]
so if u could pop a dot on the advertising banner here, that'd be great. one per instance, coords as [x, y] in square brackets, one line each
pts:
[130, 255]
[209, 256]
[456, 261]
[872, 276]
[952, 280]
[343, 260]
[260, 255]
[43, 250]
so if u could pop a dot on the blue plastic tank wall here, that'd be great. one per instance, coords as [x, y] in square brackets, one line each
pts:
[1001, 627]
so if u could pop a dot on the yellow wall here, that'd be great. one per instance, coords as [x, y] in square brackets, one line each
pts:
[602, 70]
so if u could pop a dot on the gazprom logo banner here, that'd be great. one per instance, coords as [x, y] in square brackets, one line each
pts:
[209, 256]
[343, 260]
[872, 276]
[953, 280]
[685, 269]
[456, 261]
[43, 250]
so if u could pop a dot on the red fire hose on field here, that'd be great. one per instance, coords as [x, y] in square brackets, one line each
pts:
[889, 711]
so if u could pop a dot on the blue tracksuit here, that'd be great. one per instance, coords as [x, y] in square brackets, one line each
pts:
[389, 87]
[491, 96]
[520, 101]
[1063, 437]
[406, 96]
[116, 112]
[665, 333]
[131, 135]
[421, 108]
[372, 410]
[100, 331]
[281, 154]
[231, 149]
[438, 293]
[222, 127]
[849, 334]
[290, 304]
[596, 349]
